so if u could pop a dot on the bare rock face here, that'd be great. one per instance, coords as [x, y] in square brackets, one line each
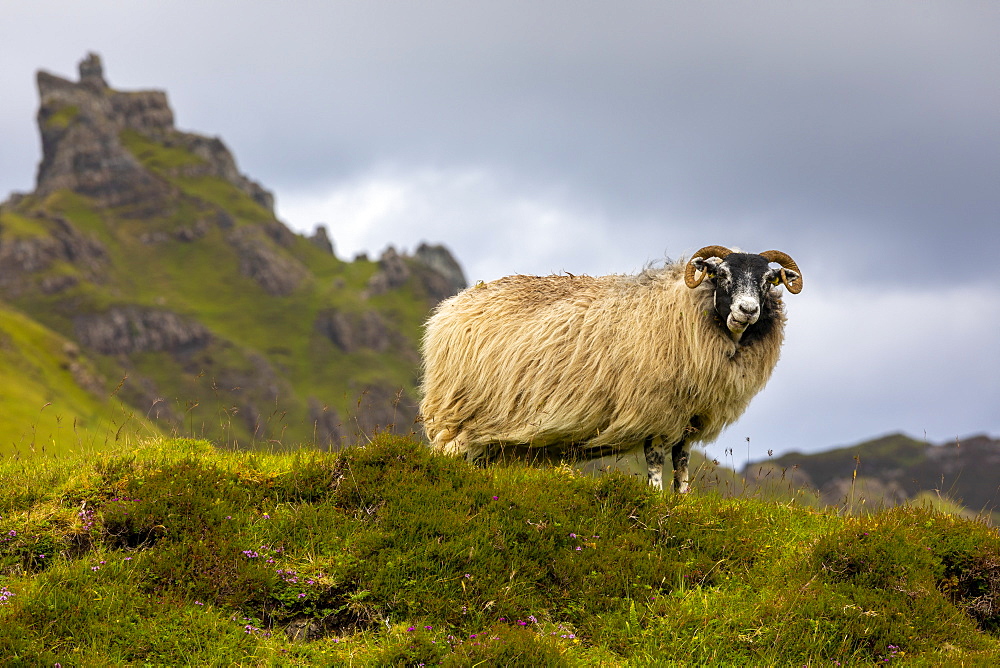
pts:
[434, 267]
[328, 427]
[382, 408]
[353, 331]
[278, 274]
[440, 259]
[21, 257]
[127, 330]
[393, 273]
[321, 239]
[82, 124]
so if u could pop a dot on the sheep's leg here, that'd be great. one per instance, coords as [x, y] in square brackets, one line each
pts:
[680, 453]
[655, 455]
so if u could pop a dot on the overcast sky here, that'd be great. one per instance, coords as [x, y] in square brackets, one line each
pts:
[862, 138]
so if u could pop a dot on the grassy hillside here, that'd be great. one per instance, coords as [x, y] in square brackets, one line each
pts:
[171, 551]
[52, 396]
[215, 260]
[184, 298]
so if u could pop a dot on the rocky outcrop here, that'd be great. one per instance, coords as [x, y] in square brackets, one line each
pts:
[351, 332]
[131, 329]
[434, 268]
[327, 425]
[393, 273]
[382, 408]
[440, 259]
[20, 257]
[82, 371]
[217, 161]
[82, 150]
[276, 272]
[159, 226]
[321, 239]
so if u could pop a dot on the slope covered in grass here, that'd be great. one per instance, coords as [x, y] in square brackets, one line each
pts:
[49, 395]
[174, 552]
[186, 297]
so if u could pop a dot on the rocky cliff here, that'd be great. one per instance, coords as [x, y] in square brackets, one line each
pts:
[145, 250]
[82, 125]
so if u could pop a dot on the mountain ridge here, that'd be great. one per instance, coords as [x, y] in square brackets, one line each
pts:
[893, 469]
[146, 249]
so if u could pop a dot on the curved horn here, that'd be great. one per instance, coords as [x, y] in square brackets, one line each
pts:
[704, 253]
[795, 287]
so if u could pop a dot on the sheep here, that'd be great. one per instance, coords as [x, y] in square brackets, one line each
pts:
[590, 366]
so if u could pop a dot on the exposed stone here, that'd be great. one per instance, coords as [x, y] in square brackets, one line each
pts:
[81, 126]
[440, 259]
[217, 160]
[81, 147]
[276, 272]
[193, 233]
[51, 285]
[141, 392]
[92, 72]
[20, 257]
[82, 371]
[382, 408]
[259, 388]
[353, 331]
[393, 273]
[132, 329]
[328, 427]
[321, 239]
[280, 234]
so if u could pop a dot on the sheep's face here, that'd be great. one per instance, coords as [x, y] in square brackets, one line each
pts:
[743, 282]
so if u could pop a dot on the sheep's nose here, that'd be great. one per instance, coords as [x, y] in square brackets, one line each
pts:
[749, 309]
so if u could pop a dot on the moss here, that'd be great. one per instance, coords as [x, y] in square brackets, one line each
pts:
[17, 226]
[155, 156]
[62, 117]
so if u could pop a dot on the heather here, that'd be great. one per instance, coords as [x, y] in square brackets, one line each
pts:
[173, 551]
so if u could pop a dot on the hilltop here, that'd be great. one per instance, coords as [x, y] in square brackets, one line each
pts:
[146, 286]
[176, 552]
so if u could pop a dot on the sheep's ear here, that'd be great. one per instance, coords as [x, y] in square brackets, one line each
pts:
[708, 265]
[792, 279]
[780, 276]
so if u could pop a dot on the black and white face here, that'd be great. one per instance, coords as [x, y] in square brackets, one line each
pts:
[742, 282]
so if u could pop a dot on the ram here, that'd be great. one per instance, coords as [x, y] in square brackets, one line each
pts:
[581, 366]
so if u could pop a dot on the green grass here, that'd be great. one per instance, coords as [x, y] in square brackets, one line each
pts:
[17, 226]
[201, 280]
[171, 551]
[45, 409]
[62, 117]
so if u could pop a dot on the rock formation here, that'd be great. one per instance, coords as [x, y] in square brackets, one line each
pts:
[82, 126]
[168, 273]
[127, 330]
[440, 259]
[435, 267]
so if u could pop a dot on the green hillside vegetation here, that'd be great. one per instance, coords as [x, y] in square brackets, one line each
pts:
[265, 357]
[45, 406]
[174, 552]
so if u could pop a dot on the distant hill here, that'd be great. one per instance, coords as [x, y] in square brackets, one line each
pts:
[894, 469]
[146, 285]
